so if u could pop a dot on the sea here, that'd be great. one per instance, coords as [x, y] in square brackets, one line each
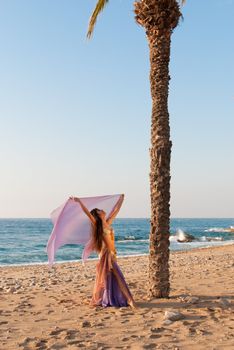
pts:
[23, 241]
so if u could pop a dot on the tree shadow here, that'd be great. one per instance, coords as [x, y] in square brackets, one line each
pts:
[176, 301]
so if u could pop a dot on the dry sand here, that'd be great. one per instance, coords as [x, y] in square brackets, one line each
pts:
[43, 309]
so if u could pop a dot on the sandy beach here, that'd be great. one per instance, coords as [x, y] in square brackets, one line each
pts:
[48, 309]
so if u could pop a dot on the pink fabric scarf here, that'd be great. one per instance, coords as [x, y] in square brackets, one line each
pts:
[72, 225]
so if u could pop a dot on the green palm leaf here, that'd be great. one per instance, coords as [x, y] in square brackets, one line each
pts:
[99, 7]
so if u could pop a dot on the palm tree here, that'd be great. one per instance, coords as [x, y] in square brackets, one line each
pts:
[159, 18]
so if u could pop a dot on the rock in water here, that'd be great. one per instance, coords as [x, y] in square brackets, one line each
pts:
[230, 229]
[183, 237]
[211, 239]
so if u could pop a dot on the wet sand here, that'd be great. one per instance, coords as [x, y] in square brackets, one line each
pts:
[48, 309]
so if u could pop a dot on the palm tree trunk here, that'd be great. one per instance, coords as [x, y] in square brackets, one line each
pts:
[160, 153]
[159, 18]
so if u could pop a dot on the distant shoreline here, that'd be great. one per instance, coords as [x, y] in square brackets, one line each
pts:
[218, 246]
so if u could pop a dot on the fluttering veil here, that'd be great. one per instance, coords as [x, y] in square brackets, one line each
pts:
[72, 226]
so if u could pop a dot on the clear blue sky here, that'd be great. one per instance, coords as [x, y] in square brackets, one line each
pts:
[75, 113]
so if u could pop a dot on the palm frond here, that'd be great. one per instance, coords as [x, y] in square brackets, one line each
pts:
[99, 8]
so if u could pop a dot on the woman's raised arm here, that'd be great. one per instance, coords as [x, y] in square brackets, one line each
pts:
[85, 210]
[115, 210]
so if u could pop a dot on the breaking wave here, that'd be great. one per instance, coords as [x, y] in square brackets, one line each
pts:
[220, 229]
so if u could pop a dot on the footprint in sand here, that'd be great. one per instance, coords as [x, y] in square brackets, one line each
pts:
[158, 329]
[71, 334]
[134, 336]
[50, 312]
[124, 321]
[124, 339]
[74, 342]
[57, 331]
[126, 313]
[192, 331]
[36, 312]
[214, 318]
[154, 336]
[149, 346]
[99, 325]
[41, 344]
[58, 346]
[106, 318]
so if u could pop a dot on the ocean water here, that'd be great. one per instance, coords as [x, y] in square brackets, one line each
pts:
[23, 241]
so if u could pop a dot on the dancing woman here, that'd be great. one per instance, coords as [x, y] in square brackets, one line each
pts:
[110, 287]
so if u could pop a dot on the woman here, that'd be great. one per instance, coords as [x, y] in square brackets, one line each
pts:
[110, 287]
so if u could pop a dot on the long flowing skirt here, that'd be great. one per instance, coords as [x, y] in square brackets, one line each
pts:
[110, 288]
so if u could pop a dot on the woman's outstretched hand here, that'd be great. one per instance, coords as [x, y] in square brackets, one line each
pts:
[86, 211]
[74, 198]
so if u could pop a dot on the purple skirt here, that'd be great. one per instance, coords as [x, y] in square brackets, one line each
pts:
[110, 287]
[113, 294]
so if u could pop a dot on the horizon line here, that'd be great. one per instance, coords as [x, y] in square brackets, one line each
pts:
[129, 217]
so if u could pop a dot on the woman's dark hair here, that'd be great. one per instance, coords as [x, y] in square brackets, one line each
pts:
[98, 231]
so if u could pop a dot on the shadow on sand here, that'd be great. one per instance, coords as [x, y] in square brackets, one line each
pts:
[176, 301]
